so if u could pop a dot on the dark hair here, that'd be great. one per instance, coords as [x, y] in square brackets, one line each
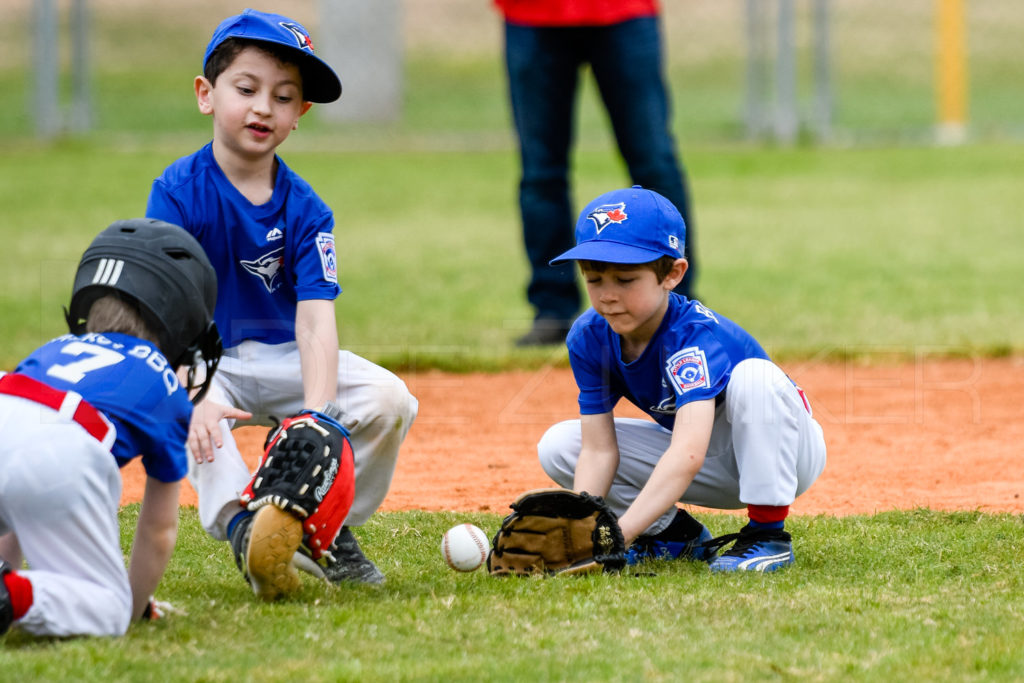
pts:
[661, 266]
[224, 56]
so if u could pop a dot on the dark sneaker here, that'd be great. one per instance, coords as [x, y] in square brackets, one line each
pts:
[546, 332]
[239, 541]
[6, 608]
[646, 548]
[754, 550]
[346, 561]
[263, 545]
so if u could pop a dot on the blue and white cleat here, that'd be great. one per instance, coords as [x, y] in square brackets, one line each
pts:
[647, 548]
[755, 550]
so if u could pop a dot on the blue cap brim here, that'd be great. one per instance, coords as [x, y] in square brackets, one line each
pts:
[319, 81]
[607, 251]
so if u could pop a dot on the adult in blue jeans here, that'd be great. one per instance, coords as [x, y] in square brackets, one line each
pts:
[547, 43]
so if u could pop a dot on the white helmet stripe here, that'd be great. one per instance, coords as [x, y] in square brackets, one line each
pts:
[99, 270]
[115, 276]
[108, 272]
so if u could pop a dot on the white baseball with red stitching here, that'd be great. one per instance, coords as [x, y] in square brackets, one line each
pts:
[464, 547]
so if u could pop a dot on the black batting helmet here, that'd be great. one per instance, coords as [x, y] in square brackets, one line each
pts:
[164, 271]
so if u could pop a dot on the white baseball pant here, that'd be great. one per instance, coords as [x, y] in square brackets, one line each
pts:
[265, 380]
[765, 448]
[59, 494]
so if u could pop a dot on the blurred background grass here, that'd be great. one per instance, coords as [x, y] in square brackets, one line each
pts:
[882, 61]
[876, 240]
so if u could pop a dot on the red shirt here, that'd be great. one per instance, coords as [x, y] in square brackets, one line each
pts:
[575, 12]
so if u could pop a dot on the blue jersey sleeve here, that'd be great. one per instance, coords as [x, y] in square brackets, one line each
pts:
[699, 371]
[311, 255]
[702, 348]
[159, 434]
[163, 206]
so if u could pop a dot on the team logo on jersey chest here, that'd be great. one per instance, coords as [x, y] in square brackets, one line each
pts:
[606, 214]
[267, 267]
[688, 369]
[667, 404]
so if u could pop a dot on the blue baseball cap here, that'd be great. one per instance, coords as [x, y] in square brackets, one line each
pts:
[319, 82]
[633, 225]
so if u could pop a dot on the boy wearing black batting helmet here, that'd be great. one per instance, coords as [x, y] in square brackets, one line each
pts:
[142, 341]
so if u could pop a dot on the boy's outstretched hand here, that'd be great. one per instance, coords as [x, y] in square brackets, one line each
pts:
[205, 432]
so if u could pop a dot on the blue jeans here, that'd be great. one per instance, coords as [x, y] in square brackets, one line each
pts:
[543, 65]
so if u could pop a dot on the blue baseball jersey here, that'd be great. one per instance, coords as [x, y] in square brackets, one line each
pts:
[690, 358]
[267, 257]
[130, 381]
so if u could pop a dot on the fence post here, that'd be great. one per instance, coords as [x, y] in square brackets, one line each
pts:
[787, 118]
[45, 60]
[951, 72]
[756, 115]
[822, 71]
[81, 99]
[361, 40]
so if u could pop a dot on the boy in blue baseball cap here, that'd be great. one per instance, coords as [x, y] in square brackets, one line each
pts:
[271, 240]
[729, 430]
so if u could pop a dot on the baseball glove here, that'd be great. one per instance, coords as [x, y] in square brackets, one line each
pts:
[307, 470]
[557, 531]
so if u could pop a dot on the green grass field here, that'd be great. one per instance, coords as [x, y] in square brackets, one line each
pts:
[840, 251]
[915, 595]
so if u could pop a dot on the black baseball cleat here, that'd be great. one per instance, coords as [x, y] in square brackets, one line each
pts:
[6, 608]
[240, 543]
[348, 563]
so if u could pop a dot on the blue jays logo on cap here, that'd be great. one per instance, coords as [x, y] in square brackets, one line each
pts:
[608, 213]
[301, 37]
[629, 226]
[319, 82]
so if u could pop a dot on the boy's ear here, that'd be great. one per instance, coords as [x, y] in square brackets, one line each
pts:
[303, 110]
[203, 90]
[675, 276]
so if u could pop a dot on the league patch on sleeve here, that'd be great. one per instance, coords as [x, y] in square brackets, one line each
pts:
[688, 370]
[328, 258]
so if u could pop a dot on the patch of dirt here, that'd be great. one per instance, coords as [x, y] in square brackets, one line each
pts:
[942, 434]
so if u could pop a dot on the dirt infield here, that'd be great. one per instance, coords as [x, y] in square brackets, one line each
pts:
[942, 434]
